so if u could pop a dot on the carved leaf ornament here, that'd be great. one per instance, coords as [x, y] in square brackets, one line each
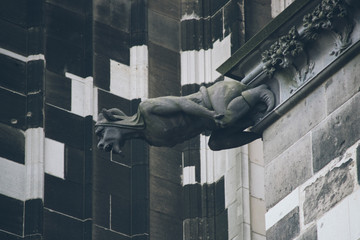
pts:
[281, 53]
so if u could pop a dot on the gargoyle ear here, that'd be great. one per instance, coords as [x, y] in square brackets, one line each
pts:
[108, 115]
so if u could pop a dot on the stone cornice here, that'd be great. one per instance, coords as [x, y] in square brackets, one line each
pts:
[297, 50]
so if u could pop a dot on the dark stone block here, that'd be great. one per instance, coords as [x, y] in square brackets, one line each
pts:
[163, 226]
[35, 76]
[13, 149]
[164, 31]
[79, 6]
[108, 100]
[120, 215]
[166, 163]
[140, 216]
[192, 201]
[233, 24]
[221, 225]
[102, 233]
[74, 165]
[208, 200]
[13, 74]
[196, 34]
[112, 178]
[327, 191]
[101, 71]
[115, 13]
[169, 8]
[59, 227]
[64, 57]
[189, 7]
[64, 127]
[65, 25]
[220, 196]
[139, 22]
[143, 237]
[287, 228]
[33, 216]
[164, 70]
[64, 196]
[13, 109]
[58, 90]
[11, 215]
[35, 44]
[112, 42]
[139, 152]
[189, 89]
[8, 236]
[215, 5]
[22, 12]
[34, 111]
[165, 197]
[15, 38]
[101, 209]
[34, 237]
[140, 182]
[310, 234]
[338, 133]
[191, 158]
[257, 15]
[217, 27]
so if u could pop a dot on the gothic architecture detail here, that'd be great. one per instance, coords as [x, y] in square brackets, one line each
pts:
[225, 109]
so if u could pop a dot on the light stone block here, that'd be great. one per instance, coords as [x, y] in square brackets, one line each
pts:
[12, 178]
[231, 181]
[257, 181]
[256, 153]
[21, 57]
[280, 210]
[255, 236]
[354, 215]
[189, 175]
[82, 99]
[257, 208]
[234, 220]
[131, 81]
[34, 163]
[54, 158]
[334, 225]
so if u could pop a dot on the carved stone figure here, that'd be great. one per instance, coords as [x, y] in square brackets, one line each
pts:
[224, 109]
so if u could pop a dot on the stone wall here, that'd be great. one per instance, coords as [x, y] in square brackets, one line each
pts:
[311, 163]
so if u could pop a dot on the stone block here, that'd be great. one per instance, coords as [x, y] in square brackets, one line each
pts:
[164, 31]
[257, 215]
[257, 181]
[288, 171]
[169, 8]
[343, 85]
[294, 124]
[287, 228]
[327, 191]
[334, 224]
[340, 131]
[309, 234]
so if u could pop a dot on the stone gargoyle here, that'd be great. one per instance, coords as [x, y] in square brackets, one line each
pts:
[225, 110]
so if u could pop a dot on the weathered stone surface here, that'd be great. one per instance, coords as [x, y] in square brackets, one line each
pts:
[287, 228]
[343, 85]
[310, 234]
[328, 190]
[295, 124]
[288, 171]
[337, 133]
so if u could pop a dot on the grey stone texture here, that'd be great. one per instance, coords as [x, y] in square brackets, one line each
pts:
[295, 124]
[328, 190]
[333, 136]
[343, 85]
[287, 228]
[309, 234]
[288, 171]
